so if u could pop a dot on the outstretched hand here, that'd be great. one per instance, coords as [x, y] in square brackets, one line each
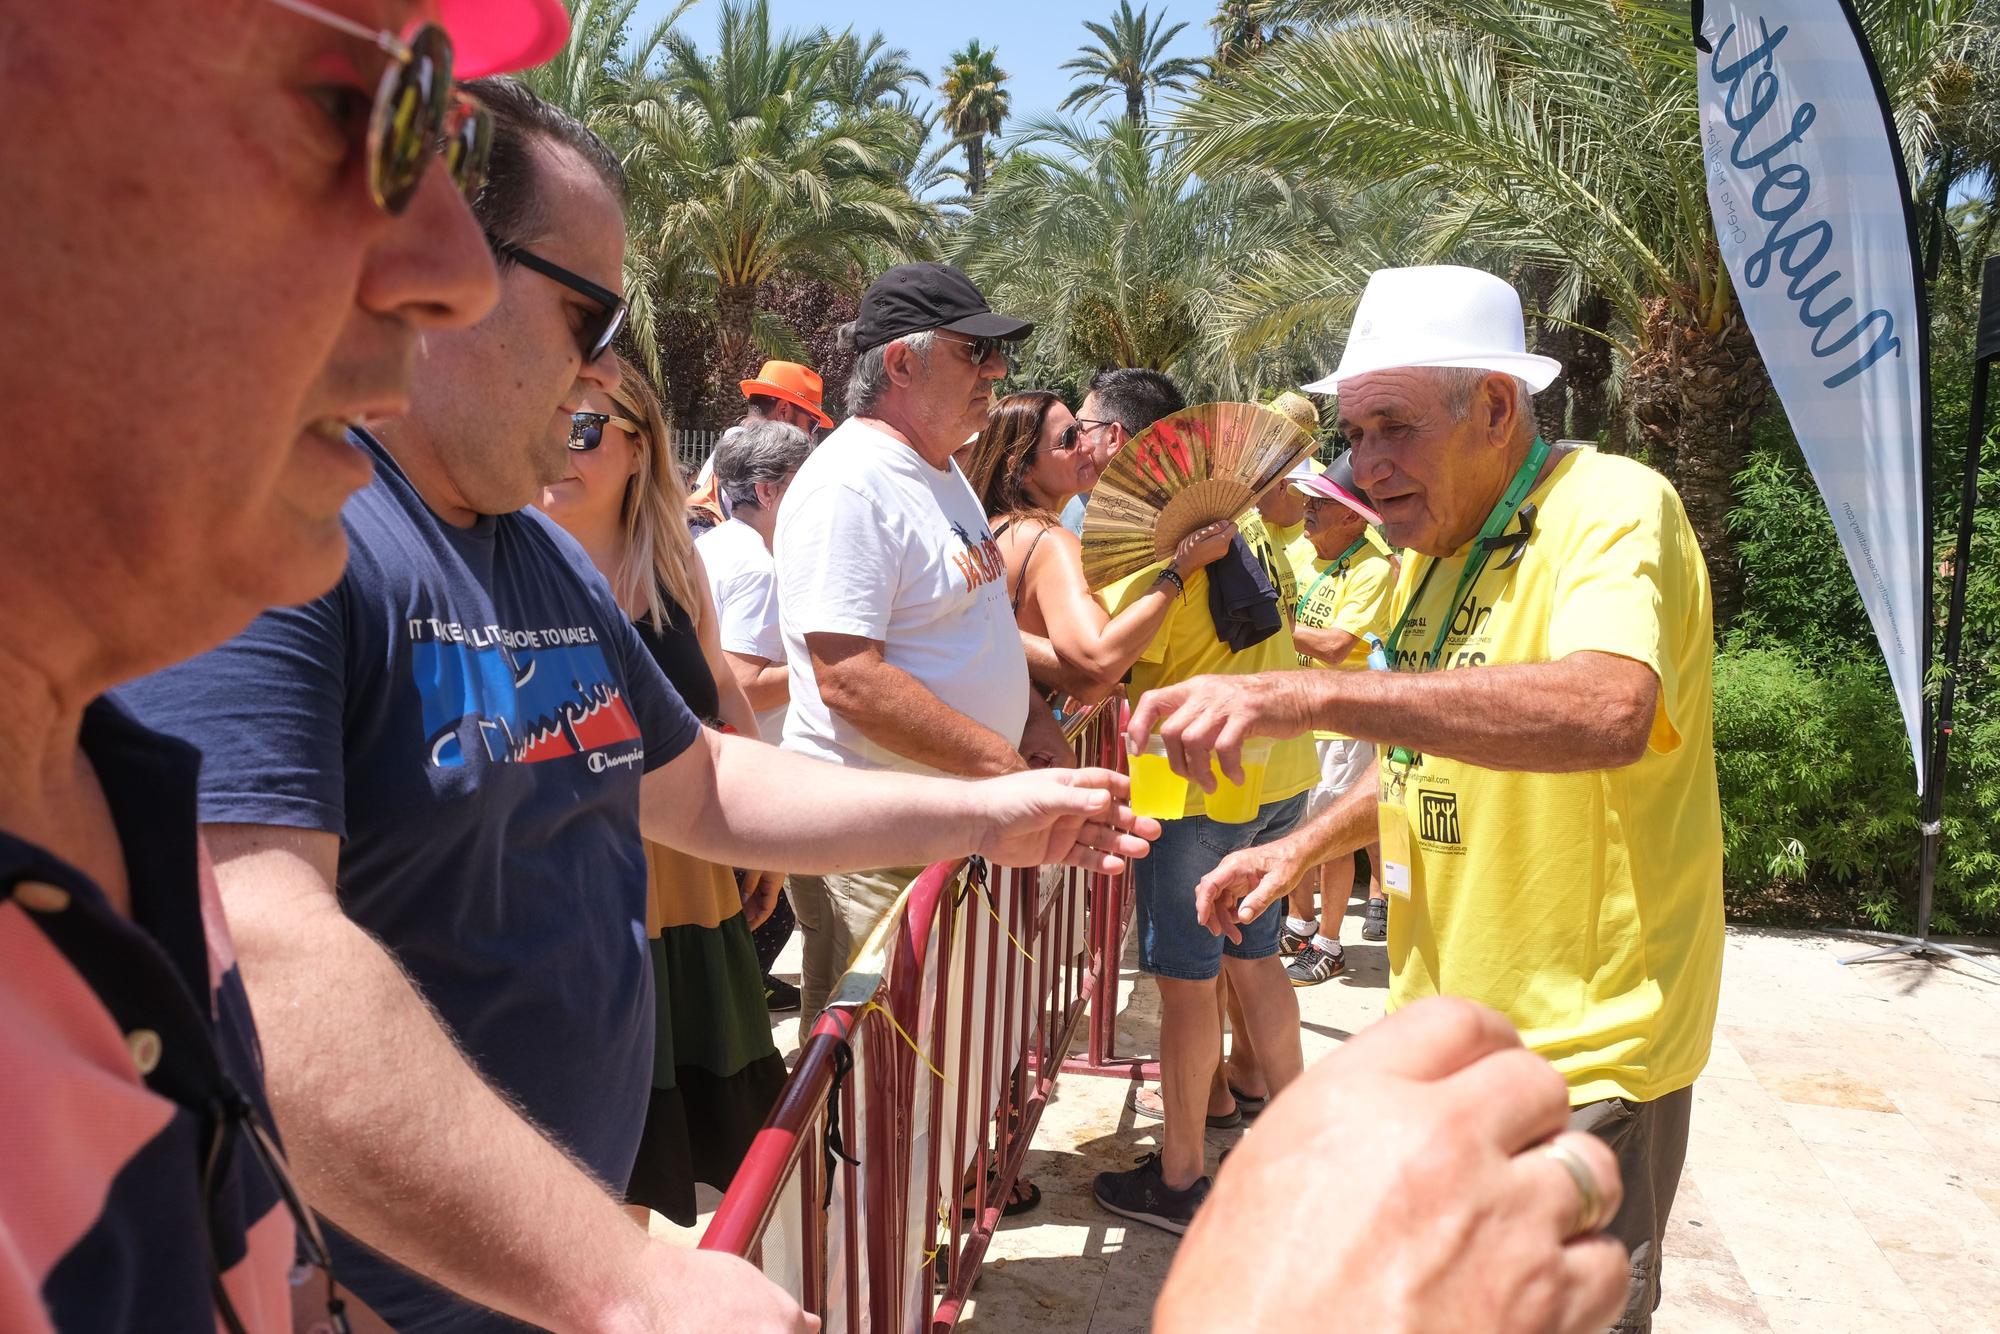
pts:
[1215, 715]
[1077, 817]
[1245, 883]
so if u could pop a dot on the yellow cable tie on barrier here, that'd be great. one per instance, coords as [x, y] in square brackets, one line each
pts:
[980, 887]
[878, 1007]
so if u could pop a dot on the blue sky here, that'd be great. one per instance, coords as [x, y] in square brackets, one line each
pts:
[1033, 37]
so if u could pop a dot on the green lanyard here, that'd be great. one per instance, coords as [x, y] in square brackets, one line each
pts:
[1334, 568]
[1475, 563]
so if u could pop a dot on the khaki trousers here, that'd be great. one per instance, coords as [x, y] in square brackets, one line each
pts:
[836, 914]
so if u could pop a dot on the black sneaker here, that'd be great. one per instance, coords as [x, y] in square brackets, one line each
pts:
[1313, 965]
[1290, 942]
[1375, 920]
[1143, 1194]
[780, 996]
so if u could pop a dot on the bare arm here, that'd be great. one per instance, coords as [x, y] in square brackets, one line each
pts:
[715, 800]
[1586, 711]
[1328, 646]
[1244, 883]
[1102, 645]
[764, 683]
[397, 1138]
[895, 711]
[1047, 668]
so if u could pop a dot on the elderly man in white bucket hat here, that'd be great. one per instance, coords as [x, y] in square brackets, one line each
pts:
[1551, 834]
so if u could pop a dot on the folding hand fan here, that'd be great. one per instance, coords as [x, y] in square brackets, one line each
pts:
[1202, 464]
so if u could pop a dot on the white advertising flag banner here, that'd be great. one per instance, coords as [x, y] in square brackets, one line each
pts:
[1810, 201]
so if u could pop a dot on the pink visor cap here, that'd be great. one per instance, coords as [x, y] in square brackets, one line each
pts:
[1326, 487]
[501, 36]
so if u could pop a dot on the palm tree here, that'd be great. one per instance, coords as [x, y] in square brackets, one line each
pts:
[1559, 137]
[1243, 29]
[975, 106]
[754, 164]
[864, 73]
[1129, 55]
[1123, 256]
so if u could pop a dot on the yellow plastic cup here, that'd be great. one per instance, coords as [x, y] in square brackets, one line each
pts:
[1232, 803]
[1157, 791]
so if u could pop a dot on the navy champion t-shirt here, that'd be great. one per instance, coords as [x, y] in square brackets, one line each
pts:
[471, 712]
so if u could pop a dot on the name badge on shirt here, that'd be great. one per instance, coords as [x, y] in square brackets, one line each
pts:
[1394, 822]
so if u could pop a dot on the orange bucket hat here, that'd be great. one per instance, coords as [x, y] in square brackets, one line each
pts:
[789, 382]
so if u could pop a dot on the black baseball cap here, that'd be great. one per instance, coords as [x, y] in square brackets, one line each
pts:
[913, 298]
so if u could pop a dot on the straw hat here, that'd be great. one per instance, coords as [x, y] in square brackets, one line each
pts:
[789, 382]
[1439, 315]
[1299, 408]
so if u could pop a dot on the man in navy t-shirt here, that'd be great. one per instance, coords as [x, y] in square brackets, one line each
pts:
[425, 794]
[470, 713]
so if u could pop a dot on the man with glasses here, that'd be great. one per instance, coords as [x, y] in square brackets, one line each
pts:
[425, 792]
[891, 591]
[1119, 403]
[277, 197]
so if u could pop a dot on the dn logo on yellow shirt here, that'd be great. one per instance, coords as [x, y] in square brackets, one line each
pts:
[1437, 816]
[1468, 642]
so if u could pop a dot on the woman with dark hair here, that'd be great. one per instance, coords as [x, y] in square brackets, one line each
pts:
[716, 1072]
[1025, 467]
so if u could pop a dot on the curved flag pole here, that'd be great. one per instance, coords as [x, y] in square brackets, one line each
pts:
[1813, 215]
[1986, 350]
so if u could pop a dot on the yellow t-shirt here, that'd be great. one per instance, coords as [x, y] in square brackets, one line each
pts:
[1354, 598]
[1586, 907]
[1185, 646]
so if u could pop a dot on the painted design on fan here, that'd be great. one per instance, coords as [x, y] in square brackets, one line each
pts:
[979, 564]
[1168, 443]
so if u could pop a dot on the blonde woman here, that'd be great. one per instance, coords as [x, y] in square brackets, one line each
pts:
[715, 1071]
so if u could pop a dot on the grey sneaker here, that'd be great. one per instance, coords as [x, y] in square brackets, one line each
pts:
[1313, 965]
[1143, 1194]
[1375, 921]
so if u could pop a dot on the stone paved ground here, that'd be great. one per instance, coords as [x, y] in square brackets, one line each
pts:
[1843, 1172]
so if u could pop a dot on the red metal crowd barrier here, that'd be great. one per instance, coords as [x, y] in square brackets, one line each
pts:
[873, 1189]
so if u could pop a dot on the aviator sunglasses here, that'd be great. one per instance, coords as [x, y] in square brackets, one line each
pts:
[417, 112]
[978, 350]
[586, 429]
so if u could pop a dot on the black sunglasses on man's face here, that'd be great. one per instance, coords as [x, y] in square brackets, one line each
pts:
[980, 350]
[595, 337]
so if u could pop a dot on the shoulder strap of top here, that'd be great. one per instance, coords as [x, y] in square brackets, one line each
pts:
[1021, 589]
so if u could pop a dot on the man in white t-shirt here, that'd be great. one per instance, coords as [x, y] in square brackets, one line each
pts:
[902, 649]
[754, 467]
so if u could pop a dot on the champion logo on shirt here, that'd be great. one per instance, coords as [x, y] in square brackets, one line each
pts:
[980, 564]
[521, 697]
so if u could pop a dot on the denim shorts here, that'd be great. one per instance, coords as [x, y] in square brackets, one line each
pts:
[1172, 941]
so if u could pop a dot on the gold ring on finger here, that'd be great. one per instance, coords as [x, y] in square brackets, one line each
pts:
[1590, 1195]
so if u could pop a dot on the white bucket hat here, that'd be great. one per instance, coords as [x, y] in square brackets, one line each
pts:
[1439, 315]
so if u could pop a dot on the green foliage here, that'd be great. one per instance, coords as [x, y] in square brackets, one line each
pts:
[1121, 255]
[775, 158]
[1129, 58]
[975, 105]
[1816, 782]
[1819, 802]
[1796, 588]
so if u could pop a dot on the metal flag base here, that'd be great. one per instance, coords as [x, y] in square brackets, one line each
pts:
[1915, 947]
